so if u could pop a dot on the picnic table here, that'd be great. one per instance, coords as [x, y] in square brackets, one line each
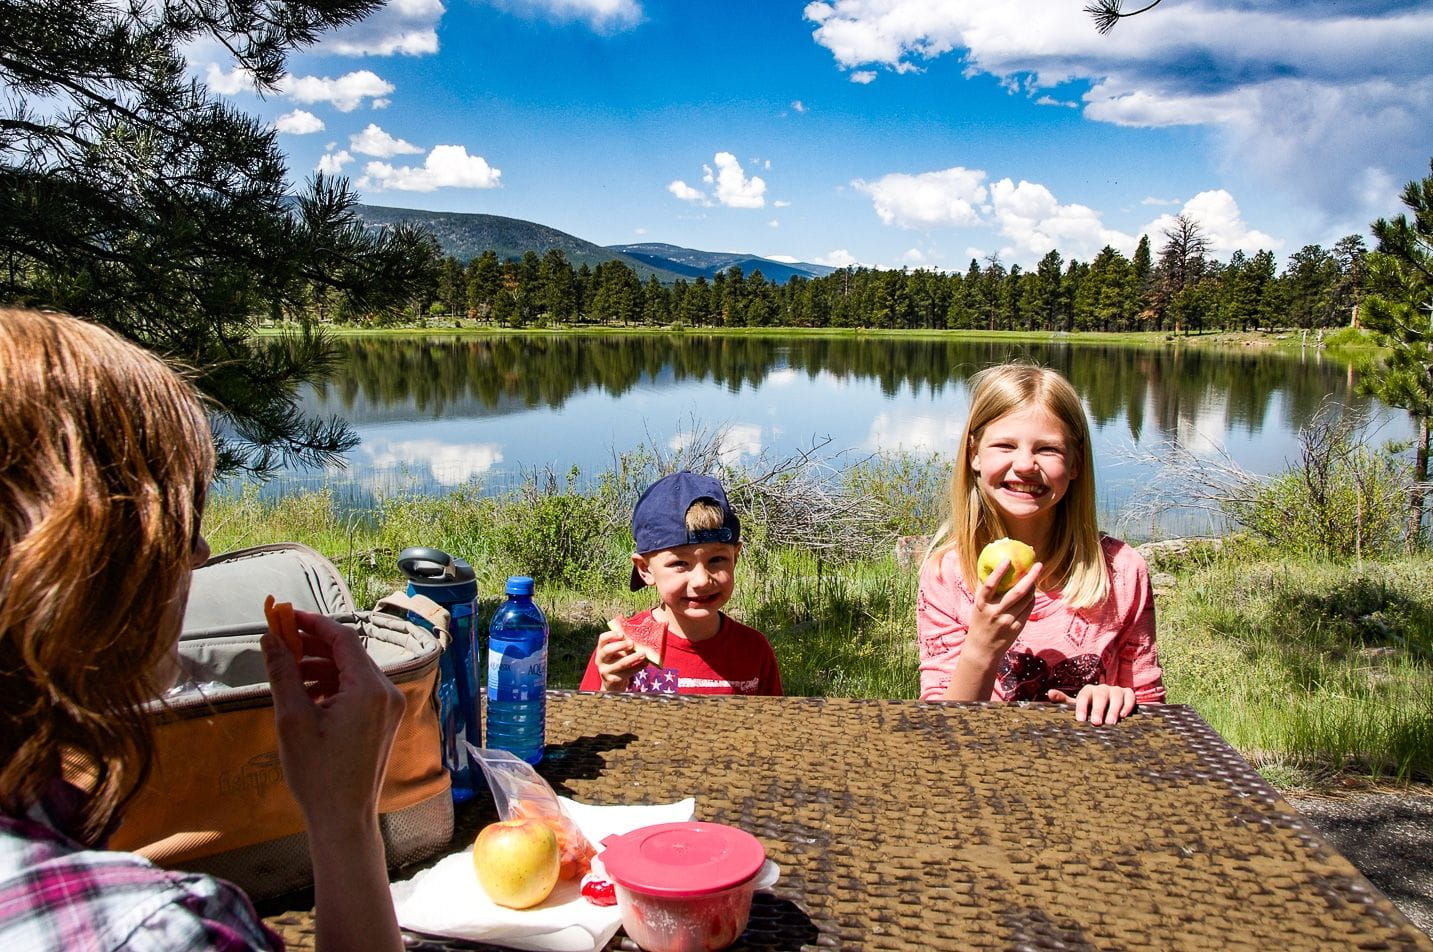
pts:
[912, 825]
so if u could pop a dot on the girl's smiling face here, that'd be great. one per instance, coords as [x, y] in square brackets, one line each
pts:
[1023, 463]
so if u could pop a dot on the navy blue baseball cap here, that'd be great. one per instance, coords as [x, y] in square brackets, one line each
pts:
[659, 520]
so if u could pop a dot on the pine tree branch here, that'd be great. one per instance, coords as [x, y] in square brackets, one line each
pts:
[1106, 13]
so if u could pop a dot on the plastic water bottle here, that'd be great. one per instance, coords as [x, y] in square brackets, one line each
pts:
[450, 582]
[517, 673]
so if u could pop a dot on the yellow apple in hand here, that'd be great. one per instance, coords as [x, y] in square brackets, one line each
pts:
[517, 862]
[1021, 557]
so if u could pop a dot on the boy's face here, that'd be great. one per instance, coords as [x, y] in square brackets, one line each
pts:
[693, 581]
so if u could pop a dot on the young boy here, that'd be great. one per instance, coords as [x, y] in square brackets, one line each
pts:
[688, 540]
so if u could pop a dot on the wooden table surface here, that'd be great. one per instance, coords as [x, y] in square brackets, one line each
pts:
[910, 825]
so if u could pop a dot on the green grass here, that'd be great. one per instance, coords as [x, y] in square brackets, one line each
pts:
[1310, 668]
[1347, 343]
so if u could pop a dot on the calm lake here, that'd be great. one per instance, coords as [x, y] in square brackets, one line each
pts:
[434, 413]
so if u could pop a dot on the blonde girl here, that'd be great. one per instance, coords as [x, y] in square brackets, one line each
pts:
[1078, 628]
[105, 458]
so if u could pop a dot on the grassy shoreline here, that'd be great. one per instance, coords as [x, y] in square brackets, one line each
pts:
[1313, 670]
[1343, 344]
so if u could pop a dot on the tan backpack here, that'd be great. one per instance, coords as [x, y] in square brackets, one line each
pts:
[216, 801]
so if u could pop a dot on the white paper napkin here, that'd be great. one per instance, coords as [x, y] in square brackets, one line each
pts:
[446, 900]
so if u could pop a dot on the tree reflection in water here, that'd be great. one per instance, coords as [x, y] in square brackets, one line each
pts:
[1134, 396]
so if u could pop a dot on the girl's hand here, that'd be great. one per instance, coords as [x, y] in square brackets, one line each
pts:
[617, 660]
[999, 618]
[1101, 703]
[335, 734]
[995, 622]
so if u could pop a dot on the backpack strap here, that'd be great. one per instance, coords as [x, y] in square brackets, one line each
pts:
[399, 603]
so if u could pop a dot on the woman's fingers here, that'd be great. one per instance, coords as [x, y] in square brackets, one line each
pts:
[342, 642]
[285, 681]
[318, 669]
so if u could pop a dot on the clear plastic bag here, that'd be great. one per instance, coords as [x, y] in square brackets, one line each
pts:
[520, 793]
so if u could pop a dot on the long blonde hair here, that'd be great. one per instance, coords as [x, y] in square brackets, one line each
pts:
[1074, 562]
[105, 457]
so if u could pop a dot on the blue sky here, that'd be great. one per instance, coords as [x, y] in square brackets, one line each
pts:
[887, 133]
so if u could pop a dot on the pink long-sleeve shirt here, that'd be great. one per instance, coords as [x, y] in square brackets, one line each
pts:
[1109, 643]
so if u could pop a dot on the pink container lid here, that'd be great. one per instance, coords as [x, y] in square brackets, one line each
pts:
[681, 860]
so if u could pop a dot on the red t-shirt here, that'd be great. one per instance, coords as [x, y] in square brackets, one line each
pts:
[737, 660]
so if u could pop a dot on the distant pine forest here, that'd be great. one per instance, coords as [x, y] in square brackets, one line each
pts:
[1181, 289]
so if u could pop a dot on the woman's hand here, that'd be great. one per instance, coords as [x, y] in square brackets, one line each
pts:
[335, 734]
[334, 739]
[1099, 703]
[617, 660]
[996, 620]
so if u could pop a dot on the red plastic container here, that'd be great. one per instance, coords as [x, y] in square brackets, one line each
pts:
[684, 887]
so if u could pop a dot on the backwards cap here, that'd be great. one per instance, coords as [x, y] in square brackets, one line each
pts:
[659, 520]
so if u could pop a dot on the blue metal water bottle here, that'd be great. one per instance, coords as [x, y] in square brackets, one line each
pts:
[517, 673]
[450, 582]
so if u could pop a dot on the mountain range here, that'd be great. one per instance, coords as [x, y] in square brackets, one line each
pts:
[466, 235]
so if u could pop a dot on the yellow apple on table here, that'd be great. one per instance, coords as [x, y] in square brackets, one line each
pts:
[1021, 557]
[517, 862]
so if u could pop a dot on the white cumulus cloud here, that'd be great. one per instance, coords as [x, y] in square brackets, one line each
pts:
[298, 123]
[840, 258]
[409, 27]
[927, 200]
[734, 188]
[1033, 221]
[1297, 91]
[1221, 222]
[229, 83]
[346, 93]
[1029, 215]
[332, 163]
[730, 185]
[374, 141]
[447, 166]
[687, 193]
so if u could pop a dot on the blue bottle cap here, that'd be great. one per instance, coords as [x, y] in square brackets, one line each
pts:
[520, 585]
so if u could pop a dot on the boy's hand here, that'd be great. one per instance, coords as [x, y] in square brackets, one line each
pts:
[1100, 703]
[617, 660]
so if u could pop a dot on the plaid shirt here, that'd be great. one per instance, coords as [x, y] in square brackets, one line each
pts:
[56, 894]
